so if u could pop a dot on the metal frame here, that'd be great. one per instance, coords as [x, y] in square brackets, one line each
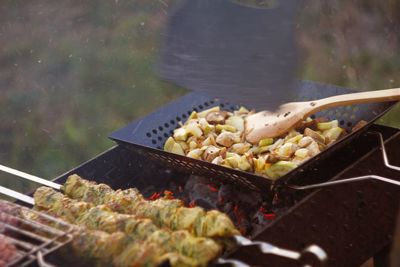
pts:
[22, 231]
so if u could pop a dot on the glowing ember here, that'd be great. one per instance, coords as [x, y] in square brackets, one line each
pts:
[154, 196]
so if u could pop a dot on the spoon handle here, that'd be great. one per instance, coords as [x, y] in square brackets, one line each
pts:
[355, 98]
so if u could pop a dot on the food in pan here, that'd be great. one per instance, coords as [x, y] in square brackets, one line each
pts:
[199, 250]
[218, 137]
[170, 213]
[8, 251]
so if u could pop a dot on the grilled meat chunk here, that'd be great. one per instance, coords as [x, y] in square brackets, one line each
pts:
[201, 250]
[164, 212]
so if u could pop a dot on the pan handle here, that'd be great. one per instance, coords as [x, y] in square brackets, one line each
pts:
[358, 178]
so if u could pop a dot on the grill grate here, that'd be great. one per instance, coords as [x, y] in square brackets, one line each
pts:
[33, 239]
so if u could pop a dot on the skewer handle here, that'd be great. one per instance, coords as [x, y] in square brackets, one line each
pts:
[30, 177]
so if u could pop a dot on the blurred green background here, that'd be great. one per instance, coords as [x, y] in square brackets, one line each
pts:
[71, 72]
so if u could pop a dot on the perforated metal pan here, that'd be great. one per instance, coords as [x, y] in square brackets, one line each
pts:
[148, 134]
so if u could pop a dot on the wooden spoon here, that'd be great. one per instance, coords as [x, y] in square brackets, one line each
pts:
[266, 124]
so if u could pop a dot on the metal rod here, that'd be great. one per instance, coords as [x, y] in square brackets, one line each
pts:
[384, 153]
[344, 181]
[41, 261]
[42, 227]
[232, 262]
[43, 241]
[21, 244]
[26, 233]
[30, 177]
[268, 248]
[16, 195]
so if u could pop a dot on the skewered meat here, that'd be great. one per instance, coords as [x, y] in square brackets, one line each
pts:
[201, 249]
[117, 249]
[113, 249]
[8, 252]
[164, 212]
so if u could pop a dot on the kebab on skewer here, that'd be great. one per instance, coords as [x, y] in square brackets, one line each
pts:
[202, 250]
[163, 212]
[98, 243]
[117, 250]
[97, 247]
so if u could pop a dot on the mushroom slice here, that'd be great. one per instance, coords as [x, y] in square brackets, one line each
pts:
[227, 139]
[332, 134]
[211, 153]
[314, 135]
[216, 117]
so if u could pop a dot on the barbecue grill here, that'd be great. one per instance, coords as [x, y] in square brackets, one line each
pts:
[346, 221]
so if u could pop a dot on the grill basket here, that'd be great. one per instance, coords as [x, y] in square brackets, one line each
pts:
[148, 134]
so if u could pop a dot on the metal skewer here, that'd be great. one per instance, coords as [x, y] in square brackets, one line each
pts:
[30, 177]
[17, 195]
